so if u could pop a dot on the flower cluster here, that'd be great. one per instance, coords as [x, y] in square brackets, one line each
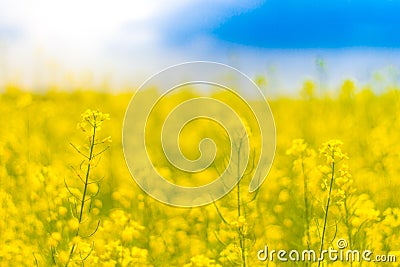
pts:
[92, 121]
[332, 151]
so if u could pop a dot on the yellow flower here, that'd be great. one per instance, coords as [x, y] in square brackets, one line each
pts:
[298, 148]
[332, 151]
[62, 211]
[201, 261]
[76, 240]
[63, 256]
[56, 236]
[127, 234]
[93, 119]
[73, 224]
[95, 211]
[283, 196]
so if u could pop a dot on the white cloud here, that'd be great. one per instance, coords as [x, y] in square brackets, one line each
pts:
[47, 22]
[76, 34]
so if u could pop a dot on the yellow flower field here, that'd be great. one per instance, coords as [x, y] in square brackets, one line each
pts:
[67, 197]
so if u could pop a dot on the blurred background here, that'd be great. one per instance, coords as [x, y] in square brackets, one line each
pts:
[115, 45]
[330, 70]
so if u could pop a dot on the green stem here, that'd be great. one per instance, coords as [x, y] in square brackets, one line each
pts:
[84, 192]
[327, 208]
[306, 208]
[242, 240]
[87, 175]
[238, 178]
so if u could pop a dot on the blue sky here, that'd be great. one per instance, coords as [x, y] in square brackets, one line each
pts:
[127, 41]
[293, 24]
[316, 24]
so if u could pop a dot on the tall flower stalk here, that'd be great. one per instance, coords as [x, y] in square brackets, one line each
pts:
[90, 124]
[333, 154]
[240, 223]
[303, 155]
